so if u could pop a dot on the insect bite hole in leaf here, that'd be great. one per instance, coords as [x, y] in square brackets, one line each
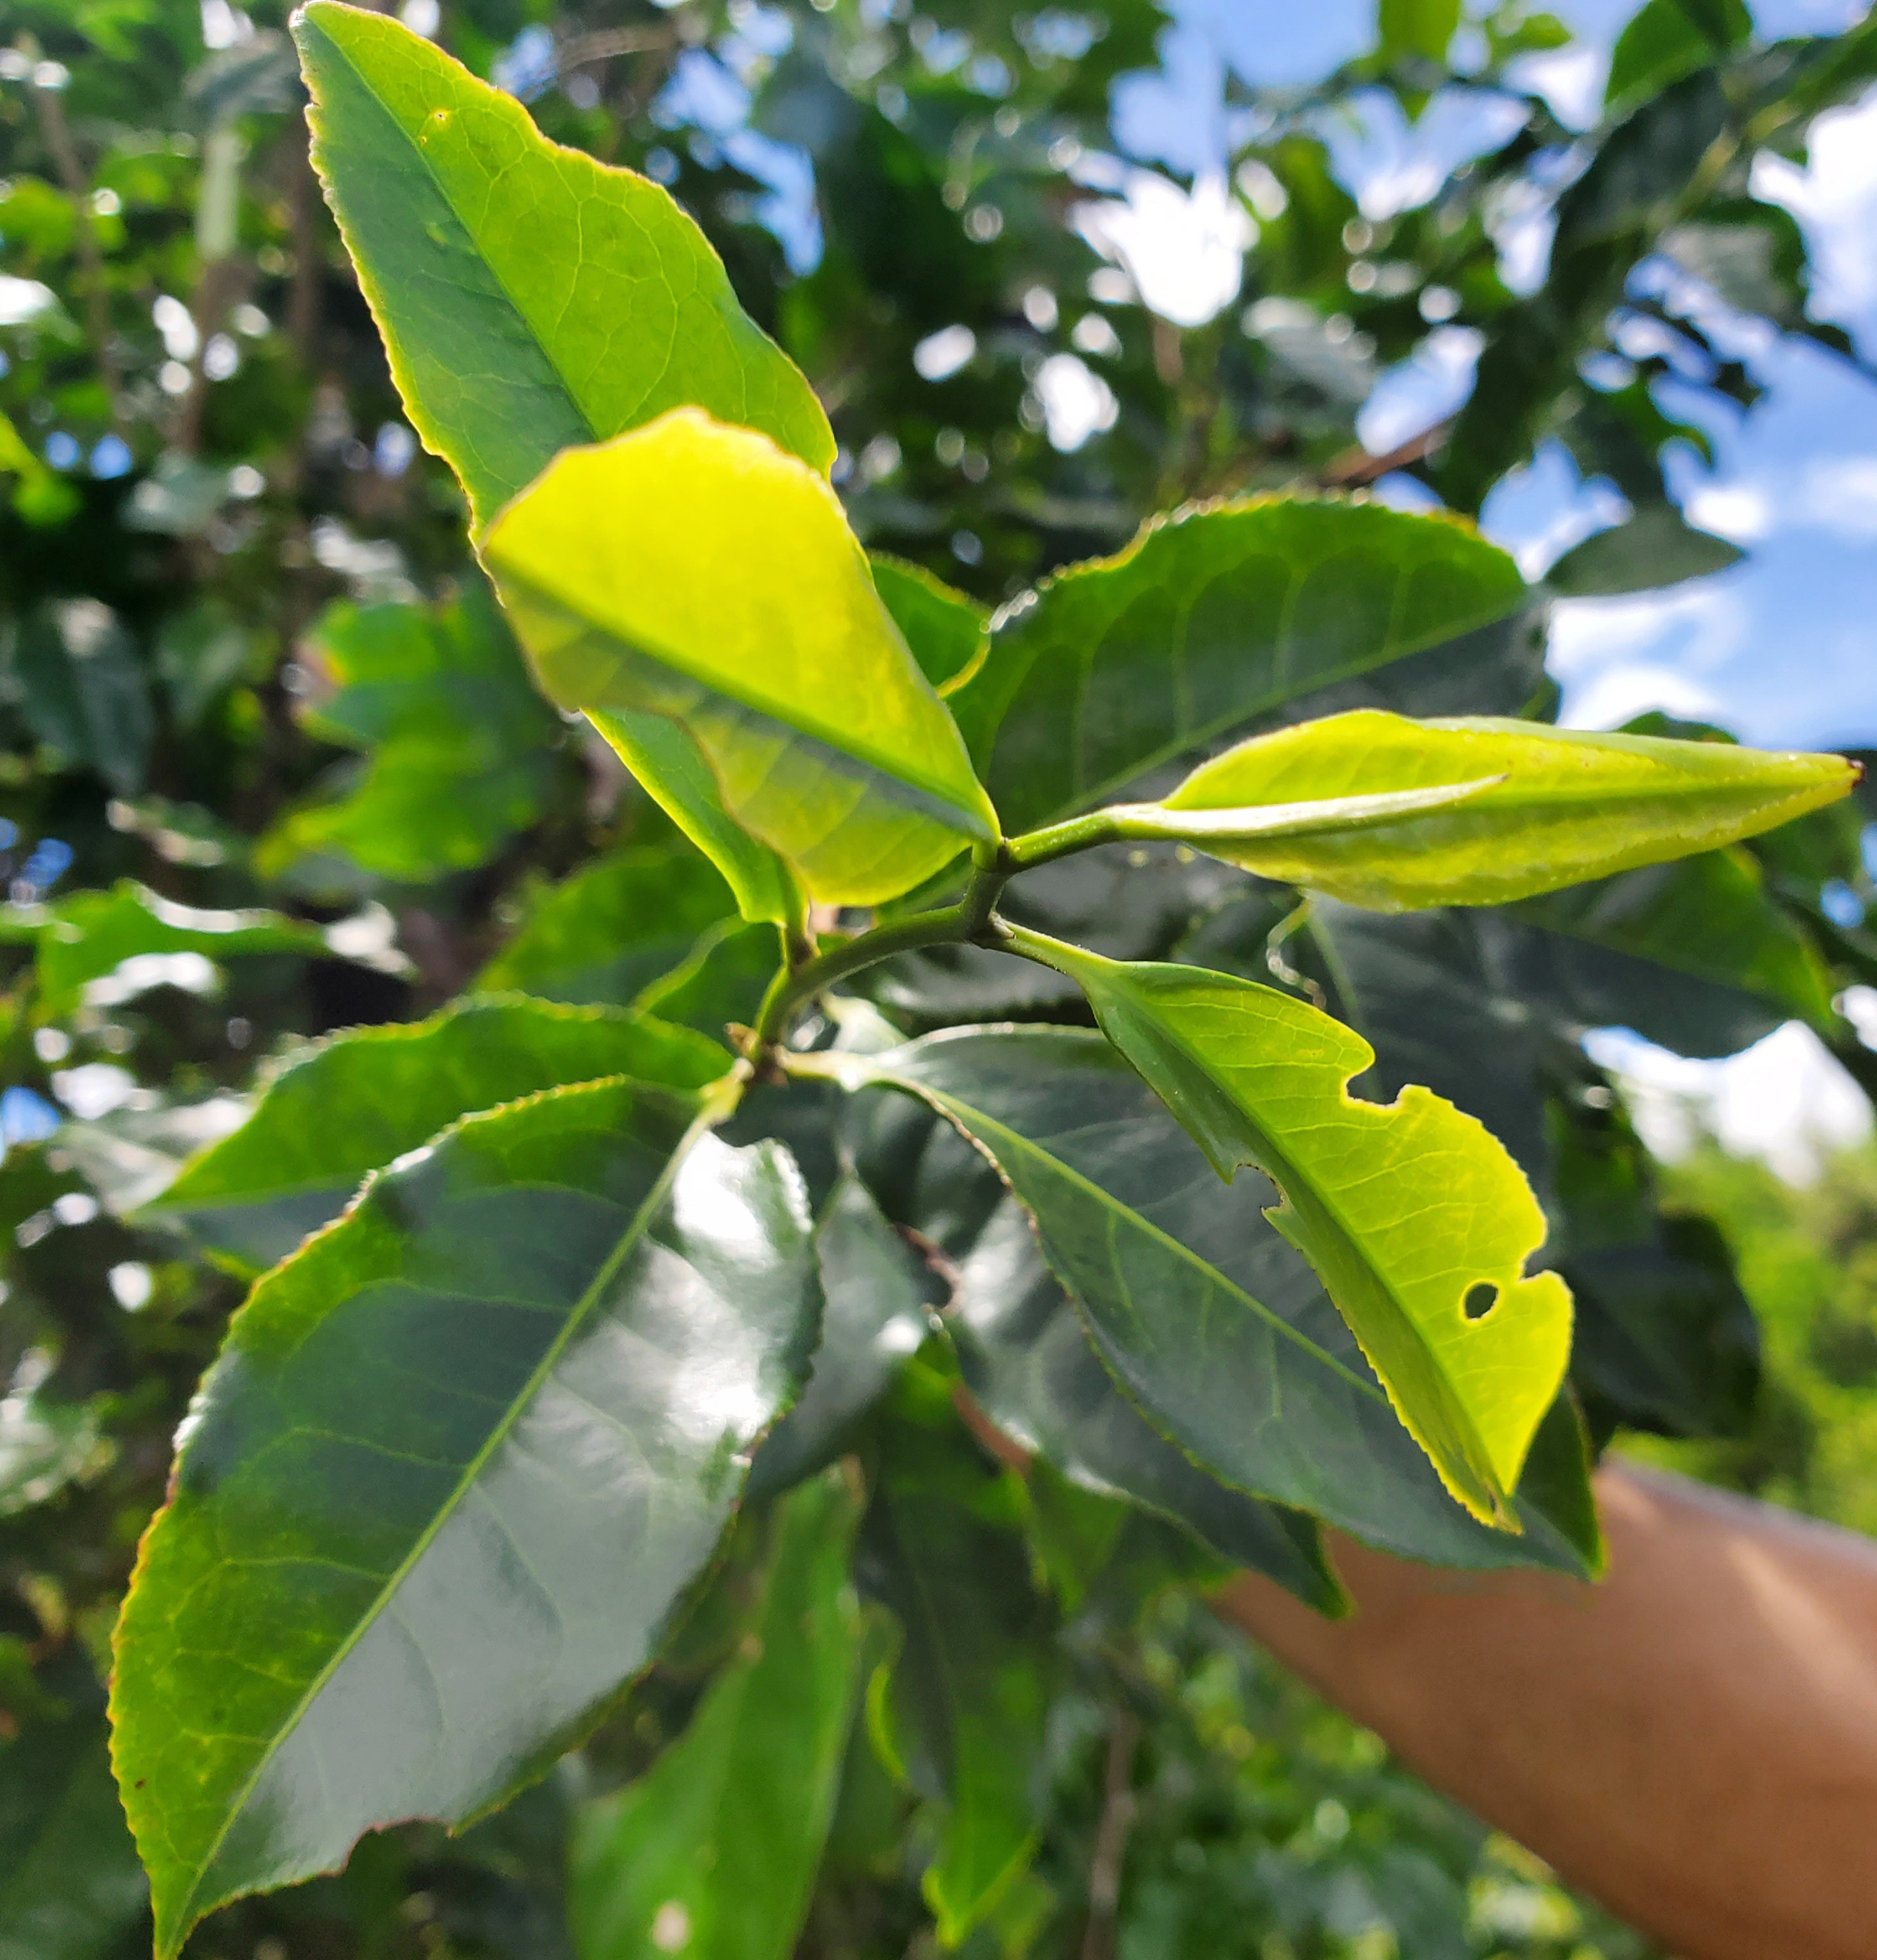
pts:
[1482, 1297]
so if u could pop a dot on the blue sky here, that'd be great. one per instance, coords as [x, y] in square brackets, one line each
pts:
[1783, 647]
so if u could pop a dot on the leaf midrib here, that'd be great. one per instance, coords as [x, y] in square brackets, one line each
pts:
[971, 1121]
[547, 354]
[708, 1116]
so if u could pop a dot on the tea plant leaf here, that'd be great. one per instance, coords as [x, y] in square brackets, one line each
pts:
[1212, 1324]
[70, 1885]
[667, 760]
[619, 925]
[1027, 1363]
[1533, 808]
[968, 1694]
[876, 1292]
[458, 741]
[530, 297]
[95, 936]
[715, 1850]
[827, 743]
[1410, 1212]
[1210, 618]
[357, 1101]
[458, 1460]
[944, 628]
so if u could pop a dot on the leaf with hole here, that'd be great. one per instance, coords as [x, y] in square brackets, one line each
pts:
[530, 297]
[357, 1101]
[1416, 1218]
[1210, 1322]
[438, 1498]
[825, 742]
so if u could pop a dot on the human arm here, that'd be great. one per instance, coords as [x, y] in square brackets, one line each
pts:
[1693, 1742]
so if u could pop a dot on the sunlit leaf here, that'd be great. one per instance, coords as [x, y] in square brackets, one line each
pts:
[945, 630]
[356, 1101]
[714, 1851]
[1418, 1222]
[1214, 1327]
[530, 297]
[1210, 618]
[827, 743]
[1533, 808]
[437, 1499]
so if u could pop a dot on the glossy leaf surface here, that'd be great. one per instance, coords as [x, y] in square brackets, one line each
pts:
[1410, 1213]
[1210, 618]
[1212, 1324]
[356, 1101]
[876, 1294]
[530, 297]
[714, 1851]
[457, 1461]
[1537, 807]
[457, 741]
[827, 743]
[1027, 1361]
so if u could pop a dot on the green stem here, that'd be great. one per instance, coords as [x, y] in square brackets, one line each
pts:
[946, 925]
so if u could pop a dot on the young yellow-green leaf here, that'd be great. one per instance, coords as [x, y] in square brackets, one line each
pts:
[1416, 1219]
[1532, 808]
[354, 1103]
[712, 1852]
[1210, 617]
[667, 760]
[437, 1498]
[528, 296]
[827, 743]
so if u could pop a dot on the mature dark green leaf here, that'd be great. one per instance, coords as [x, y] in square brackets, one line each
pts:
[1657, 546]
[578, 303]
[876, 1294]
[1378, 810]
[1027, 1361]
[1709, 919]
[1416, 28]
[945, 630]
[129, 935]
[1214, 1326]
[356, 1101]
[826, 742]
[1210, 617]
[80, 687]
[1408, 1212]
[619, 924]
[437, 1498]
[70, 1885]
[969, 1692]
[458, 739]
[714, 1851]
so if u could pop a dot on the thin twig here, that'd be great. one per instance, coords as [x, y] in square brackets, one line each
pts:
[1110, 1837]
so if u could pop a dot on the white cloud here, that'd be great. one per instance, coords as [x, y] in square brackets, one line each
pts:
[1785, 1100]
[1741, 512]
[1835, 199]
[1185, 254]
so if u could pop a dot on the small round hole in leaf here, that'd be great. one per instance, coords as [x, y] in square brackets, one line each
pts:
[1480, 1298]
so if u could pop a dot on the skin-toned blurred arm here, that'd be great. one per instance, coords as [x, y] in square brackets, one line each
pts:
[1693, 1742]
